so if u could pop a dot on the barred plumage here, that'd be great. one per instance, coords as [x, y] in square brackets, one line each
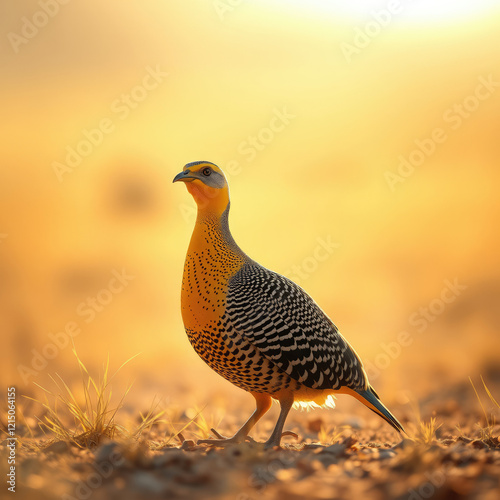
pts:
[256, 328]
[287, 327]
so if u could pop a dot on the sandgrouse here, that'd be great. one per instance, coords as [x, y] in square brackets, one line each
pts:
[256, 328]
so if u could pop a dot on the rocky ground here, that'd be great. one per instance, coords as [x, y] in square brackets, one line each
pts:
[453, 456]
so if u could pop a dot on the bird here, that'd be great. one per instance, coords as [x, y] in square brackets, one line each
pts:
[256, 328]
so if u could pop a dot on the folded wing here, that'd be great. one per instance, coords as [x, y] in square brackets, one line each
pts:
[285, 324]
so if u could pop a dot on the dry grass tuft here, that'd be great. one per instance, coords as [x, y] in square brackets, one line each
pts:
[426, 431]
[94, 419]
[330, 435]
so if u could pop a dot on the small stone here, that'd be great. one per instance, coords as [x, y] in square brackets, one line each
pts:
[315, 425]
[145, 482]
[385, 454]
[447, 442]
[405, 444]
[336, 449]
[106, 452]
[478, 444]
[349, 441]
[188, 444]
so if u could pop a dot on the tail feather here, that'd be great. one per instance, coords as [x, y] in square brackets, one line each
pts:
[371, 400]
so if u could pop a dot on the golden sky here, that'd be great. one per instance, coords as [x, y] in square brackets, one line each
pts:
[373, 124]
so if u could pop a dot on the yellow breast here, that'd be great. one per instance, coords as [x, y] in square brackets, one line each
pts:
[210, 262]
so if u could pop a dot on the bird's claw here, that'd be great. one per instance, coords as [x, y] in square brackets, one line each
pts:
[221, 440]
[217, 435]
[290, 433]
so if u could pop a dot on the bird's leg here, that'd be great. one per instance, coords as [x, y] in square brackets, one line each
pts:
[275, 439]
[263, 403]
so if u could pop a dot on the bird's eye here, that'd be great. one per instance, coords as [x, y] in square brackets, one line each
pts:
[207, 171]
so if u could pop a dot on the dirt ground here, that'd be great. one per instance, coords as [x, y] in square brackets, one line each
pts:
[341, 454]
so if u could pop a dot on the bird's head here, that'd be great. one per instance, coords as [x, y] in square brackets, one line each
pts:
[207, 184]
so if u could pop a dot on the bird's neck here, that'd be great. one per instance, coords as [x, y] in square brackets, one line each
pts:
[212, 236]
[213, 258]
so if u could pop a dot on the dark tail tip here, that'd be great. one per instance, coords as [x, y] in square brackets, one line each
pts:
[371, 397]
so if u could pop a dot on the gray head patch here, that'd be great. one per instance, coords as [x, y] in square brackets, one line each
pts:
[214, 180]
[196, 163]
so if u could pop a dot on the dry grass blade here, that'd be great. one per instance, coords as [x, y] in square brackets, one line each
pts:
[151, 418]
[487, 430]
[480, 402]
[493, 400]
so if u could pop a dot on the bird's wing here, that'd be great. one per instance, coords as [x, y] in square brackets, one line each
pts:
[285, 324]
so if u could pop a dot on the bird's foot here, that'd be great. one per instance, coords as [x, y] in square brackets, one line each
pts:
[224, 441]
[274, 441]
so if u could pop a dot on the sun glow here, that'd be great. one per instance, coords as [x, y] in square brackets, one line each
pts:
[407, 10]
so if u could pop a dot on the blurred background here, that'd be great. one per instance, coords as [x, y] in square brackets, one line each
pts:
[324, 116]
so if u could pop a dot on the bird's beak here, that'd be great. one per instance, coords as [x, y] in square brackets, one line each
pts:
[185, 176]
